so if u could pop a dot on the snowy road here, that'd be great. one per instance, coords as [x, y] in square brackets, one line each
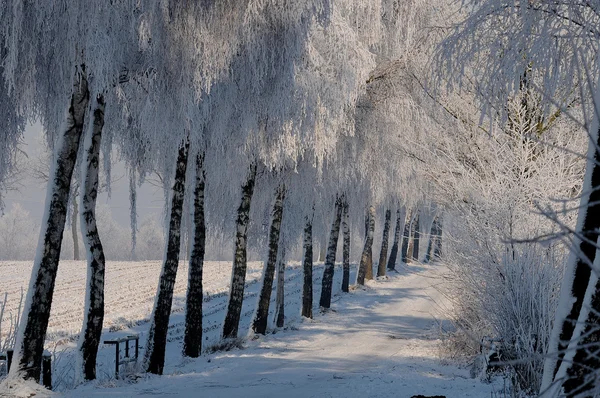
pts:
[377, 342]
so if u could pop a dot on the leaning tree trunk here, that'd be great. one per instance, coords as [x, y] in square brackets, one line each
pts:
[345, 248]
[384, 244]
[157, 336]
[328, 271]
[34, 323]
[406, 238]
[400, 218]
[280, 294]
[573, 347]
[259, 325]
[74, 216]
[367, 249]
[192, 339]
[307, 266]
[238, 279]
[94, 315]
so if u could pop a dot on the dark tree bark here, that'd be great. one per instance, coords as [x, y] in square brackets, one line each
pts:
[192, 340]
[367, 249]
[400, 216]
[327, 281]
[307, 266]
[32, 331]
[384, 244]
[369, 260]
[236, 294]
[74, 216]
[437, 250]
[159, 326]
[416, 238]
[259, 325]
[406, 238]
[345, 248]
[89, 340]
[280, 294]
[433, 238]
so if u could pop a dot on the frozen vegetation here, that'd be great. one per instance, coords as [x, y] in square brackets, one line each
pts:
[359, 164]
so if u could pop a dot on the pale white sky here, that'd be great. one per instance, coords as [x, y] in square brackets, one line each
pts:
[32, 193]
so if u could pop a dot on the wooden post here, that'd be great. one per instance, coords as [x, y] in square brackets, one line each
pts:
[126, 348]
[117, 360]
[9, 357]
[137, 346]
[47, 370]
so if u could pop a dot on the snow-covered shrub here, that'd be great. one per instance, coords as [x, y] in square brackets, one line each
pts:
[501, 287]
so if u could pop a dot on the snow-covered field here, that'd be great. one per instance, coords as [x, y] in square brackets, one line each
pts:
[375, 342]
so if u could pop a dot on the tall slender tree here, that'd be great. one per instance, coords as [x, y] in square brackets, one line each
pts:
[367, 249]
[384, 244]
[154, 357]
[328, 271]
[32, 331]
[89, 339]
[192, 340]
[238, 278]
[259, 325]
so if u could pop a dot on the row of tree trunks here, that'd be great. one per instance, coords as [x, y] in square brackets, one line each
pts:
[328, 272]
[238, 278]
[345, 248]
[259, 325]
[89, 339]
[367, 253]
[384, 244]
[154, 358]
[192, 340]
[34, 323]
[400, 221]
[307, 266]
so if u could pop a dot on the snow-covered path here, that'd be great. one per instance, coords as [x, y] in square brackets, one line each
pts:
[377, 342]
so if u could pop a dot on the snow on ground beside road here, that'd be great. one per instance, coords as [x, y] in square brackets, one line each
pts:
[380, 341]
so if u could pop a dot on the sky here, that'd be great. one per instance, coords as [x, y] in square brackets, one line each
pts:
[32, 192]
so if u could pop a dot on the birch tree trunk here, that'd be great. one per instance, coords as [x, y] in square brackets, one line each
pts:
[384, 244]
[433, 237]
[437, 249]
[406, 238]
[573, 346]
[89, 340]
[345, 248]
[416, 238]
[400, 218]
[280, 294]
[367, 249]
[259, 325]
[34, 323]
[327, 281]
[74, 216]
[369, 260]
[307, 266]
[192, 340]
[238, 278]
[157, 336]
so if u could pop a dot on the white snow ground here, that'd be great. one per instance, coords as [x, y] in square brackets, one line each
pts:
[381, 341]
